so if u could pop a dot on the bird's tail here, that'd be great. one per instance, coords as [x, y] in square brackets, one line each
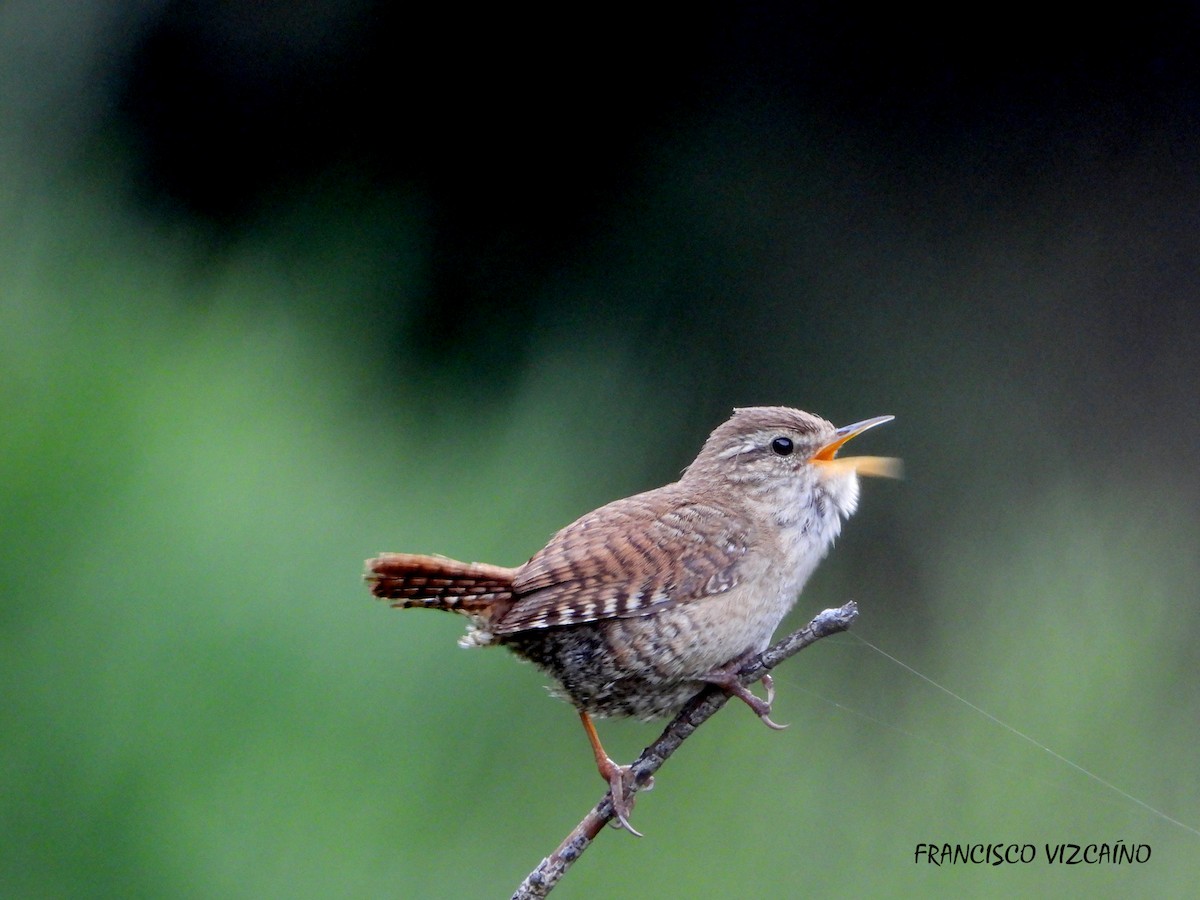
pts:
[437, 582]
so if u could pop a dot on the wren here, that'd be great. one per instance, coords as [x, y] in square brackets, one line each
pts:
[638, 605]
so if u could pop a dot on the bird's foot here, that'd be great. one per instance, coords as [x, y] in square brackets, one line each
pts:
[620, 785]
[620, 779]
[727, 680]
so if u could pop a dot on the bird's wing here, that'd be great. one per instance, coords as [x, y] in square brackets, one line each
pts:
[629, 558]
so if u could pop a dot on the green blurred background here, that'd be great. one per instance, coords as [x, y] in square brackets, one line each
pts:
[282, 286]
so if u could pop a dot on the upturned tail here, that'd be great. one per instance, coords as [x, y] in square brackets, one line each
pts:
[438, 582]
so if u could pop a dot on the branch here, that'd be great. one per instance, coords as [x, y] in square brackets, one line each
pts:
[698, 710]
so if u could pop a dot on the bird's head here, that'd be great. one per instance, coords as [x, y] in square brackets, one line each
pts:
[776, 448]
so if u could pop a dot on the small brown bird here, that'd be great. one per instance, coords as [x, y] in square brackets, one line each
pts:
[638, 605]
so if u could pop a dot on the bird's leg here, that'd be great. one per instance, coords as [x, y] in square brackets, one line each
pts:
[619, 778]
[726, 679]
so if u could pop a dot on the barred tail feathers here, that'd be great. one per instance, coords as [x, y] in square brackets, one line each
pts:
[438, 582]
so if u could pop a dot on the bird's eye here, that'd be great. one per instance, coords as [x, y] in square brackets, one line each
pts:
[782, 446]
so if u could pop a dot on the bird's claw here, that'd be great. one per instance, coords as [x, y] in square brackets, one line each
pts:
[620, 781]
[769, 684]
[727, 680]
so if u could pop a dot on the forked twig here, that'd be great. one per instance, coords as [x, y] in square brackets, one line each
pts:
[698, 710]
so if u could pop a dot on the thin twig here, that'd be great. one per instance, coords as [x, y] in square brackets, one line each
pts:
[699, 709]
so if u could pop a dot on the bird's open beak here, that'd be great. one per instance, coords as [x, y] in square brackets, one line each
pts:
[882, 466]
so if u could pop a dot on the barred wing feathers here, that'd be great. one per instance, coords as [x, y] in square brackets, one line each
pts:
[629, 558]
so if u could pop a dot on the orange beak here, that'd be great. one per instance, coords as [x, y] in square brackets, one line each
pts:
[882, 466]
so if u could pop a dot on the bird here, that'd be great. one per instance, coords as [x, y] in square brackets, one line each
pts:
[635, 607]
